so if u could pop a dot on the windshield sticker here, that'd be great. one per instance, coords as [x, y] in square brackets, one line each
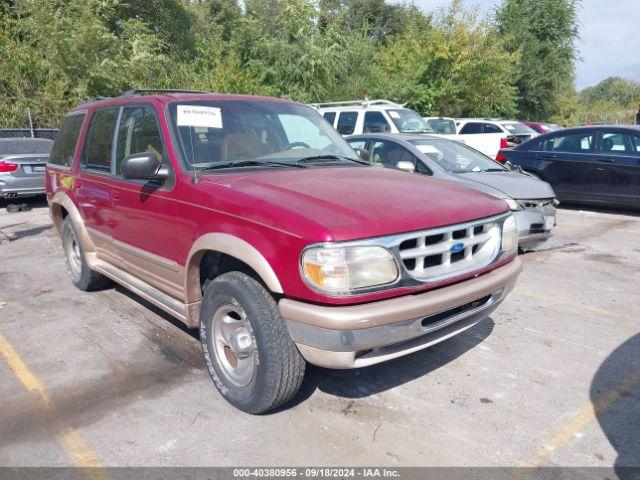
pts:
[199, 116]
[393, 114]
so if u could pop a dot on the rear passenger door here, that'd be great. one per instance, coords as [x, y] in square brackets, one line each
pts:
[93, 187]
[617, 171]
[567, 163]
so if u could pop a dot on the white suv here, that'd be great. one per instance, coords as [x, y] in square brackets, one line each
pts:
[372, 116]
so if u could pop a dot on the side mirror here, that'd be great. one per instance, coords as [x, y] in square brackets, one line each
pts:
[143, 166]
[363, 154]
[406, 166]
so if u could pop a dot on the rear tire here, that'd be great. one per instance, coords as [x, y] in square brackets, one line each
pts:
[79, 272]
[247, 348]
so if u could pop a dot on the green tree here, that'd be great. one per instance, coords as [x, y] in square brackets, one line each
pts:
[543, 33]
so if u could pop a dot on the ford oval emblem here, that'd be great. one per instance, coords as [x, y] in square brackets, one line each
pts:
[457, 247]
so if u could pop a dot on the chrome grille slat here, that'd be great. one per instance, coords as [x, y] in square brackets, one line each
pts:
[429, 256]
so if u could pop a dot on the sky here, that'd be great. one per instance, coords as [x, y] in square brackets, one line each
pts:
[609, 31]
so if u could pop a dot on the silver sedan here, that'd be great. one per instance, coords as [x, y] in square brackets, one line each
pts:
[22, 166]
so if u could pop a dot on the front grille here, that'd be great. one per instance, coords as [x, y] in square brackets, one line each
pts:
[537, 204]
[449, 251]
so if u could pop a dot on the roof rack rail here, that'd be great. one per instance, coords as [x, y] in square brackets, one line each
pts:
[364, 103]
[145, 91]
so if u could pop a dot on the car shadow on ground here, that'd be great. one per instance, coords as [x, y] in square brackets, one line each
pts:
[615, 395]
[364, 382]
[629, 212]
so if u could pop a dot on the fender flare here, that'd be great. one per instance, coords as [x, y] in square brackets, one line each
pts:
[61, 199]
[234, 247]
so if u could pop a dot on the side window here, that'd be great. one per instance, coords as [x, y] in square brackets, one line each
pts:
[66, 141]
[491, 128]
[572, 143]
[387, 154]
[374, 122]
[472, 127]
[361, 144]
[347, 122]
[620, 144]
[330, 117]
[97, 148]
[138, 132]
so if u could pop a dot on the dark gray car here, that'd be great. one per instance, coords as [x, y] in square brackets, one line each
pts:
[22, 166]
[530, 199]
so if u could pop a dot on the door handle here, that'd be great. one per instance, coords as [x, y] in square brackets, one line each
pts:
[115, 195]
[549, 157]
[606, 159]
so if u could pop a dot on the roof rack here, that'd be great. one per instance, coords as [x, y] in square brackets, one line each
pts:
[151, 91]
[364, 103]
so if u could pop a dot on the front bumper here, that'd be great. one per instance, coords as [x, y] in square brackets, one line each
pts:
[361, 335]
[533, 225]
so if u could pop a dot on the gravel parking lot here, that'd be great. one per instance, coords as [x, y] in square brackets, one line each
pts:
[553, 378]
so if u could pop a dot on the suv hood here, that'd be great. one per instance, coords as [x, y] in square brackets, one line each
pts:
[515, 185]
[347, 203]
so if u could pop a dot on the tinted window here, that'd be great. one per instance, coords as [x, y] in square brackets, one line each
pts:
[620, 144]
[572, 143]
[491, 128]
[330, 117]
[442, 125]
[138, 132]
[472, 127]
[374, 122]
[66, 141]
[347, 122]
[97, 151]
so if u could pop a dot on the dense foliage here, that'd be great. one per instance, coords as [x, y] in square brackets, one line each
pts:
[55, 54]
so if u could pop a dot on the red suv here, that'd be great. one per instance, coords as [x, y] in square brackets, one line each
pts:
[251, 219]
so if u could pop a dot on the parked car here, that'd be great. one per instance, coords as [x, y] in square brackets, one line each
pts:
[505, 133]
[488, 144]
[530, 200]
[591, 164]
[253, 220]
[22, 166]
[543, 128]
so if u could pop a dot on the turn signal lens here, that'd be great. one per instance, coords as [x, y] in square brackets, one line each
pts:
[509, 234]
[341, 270]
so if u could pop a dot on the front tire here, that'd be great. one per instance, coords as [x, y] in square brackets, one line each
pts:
[79, 272]
[248, 351]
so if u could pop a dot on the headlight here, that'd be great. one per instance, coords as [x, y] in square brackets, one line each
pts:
[340, 270]
[514, 205]
[509, 234]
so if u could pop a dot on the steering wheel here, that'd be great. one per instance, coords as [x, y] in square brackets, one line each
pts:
[293, 145]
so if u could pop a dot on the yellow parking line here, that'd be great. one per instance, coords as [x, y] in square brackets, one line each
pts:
[568, 303]
[72, 441]
[566, 431]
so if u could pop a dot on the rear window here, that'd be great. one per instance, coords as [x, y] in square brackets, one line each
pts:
[330, 117]
[347, 122]
[67, 140]
[518, 128]
[97, 151]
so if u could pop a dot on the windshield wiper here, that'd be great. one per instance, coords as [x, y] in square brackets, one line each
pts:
[314, 158]
[251, 163]
[494, 170]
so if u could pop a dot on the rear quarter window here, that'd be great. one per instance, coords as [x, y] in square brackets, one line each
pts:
[66, 141]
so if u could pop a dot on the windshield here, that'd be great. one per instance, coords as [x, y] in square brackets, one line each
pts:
[518, 128]
[456, 157]
[442, 125]
[218, 132]
[408, 121]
